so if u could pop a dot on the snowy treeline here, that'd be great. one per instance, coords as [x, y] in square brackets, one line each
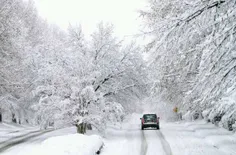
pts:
[193, 55]
[52, 77]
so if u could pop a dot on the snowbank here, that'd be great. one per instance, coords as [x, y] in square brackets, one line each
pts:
[73, 144]
[199, 138]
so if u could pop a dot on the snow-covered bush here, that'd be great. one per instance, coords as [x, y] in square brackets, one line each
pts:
[9, 109]
[224, 112]
[114, 111]
[192, 115]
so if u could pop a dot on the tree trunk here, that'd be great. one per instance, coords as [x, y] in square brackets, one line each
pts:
[81, 128]
[13, 118]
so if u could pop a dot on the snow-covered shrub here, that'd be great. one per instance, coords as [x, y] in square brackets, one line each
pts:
[228, 121]
[223, 113]
[114, 112]
[228, 107]
[192, 115]
[10, 110]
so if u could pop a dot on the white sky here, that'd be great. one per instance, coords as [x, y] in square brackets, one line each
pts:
[122, 13]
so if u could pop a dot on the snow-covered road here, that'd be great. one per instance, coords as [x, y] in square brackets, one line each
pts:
[131, 140]
[155, 143]
[174, 138]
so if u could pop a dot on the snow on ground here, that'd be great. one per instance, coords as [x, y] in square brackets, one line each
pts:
[73, 144]
[154, 143]
[12, 130]
[13, 127]
[173, 138]
[61, 142]
[31, 144]
[198, 138]
[181, 138]
[131, 140]
[125, 139]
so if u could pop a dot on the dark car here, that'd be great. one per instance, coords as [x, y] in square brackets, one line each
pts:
[150, 120]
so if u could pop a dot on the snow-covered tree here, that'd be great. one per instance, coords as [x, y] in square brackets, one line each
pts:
[193, 52]
[52, 77]
[80, 82]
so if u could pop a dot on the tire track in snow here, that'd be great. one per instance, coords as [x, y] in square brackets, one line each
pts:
[165, 144]
[154, 143]
[143, 145]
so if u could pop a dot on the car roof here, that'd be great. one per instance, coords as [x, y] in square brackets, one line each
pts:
[150, 114]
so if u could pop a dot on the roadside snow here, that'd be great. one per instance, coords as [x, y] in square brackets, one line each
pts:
[74, 144]
[173, 138]
[198, 138]
[12, 130]
[59, 142]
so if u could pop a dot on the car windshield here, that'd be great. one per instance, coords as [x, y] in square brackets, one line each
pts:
[150, 117]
